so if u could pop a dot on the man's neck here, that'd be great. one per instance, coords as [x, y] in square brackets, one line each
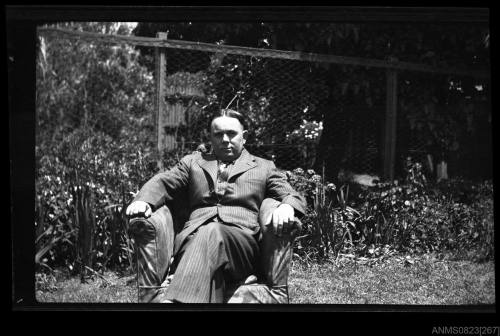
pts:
[226, 161]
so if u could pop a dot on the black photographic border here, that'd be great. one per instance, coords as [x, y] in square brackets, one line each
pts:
[21, 23]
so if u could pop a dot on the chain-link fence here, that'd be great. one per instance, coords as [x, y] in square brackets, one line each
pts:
[276, 96]
[310, 114]
[316, 113]
[298, 114]
[444, 118]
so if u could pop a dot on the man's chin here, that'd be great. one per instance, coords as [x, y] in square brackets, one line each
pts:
[226, 156]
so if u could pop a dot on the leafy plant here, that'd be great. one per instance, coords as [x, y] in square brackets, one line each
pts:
[418, 217]
[413, 216]
[329, 222]
[95, 134]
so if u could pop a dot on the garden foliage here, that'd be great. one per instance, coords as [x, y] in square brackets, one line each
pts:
[412, 216]
[94, 148]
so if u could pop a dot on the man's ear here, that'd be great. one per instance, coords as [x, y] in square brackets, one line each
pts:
[245, 134]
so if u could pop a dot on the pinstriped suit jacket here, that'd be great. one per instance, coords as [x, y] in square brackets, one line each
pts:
[251, 180]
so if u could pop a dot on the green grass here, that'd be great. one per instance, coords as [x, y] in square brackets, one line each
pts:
[426, 281]
[71, 290]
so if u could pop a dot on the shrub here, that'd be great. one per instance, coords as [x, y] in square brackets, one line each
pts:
[55, 232]
[95, 133]
[414, 216]
[112, 170]
[417, 216]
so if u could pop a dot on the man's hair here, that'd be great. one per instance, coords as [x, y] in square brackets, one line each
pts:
[231, 114]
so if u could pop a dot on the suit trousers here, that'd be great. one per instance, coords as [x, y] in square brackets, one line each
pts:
[212, 258]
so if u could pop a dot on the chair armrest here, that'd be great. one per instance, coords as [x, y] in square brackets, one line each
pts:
[144, 229]
[276, 251]
[154, 240]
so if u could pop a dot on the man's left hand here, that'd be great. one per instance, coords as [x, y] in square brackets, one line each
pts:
[282, 218]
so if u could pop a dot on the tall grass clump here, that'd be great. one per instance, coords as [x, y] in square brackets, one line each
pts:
[329, 222]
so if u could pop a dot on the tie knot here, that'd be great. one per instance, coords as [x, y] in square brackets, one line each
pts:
[223, 173]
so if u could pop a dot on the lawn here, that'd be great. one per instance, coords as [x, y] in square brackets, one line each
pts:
[109, 288]
[424, 281]
[395, 280]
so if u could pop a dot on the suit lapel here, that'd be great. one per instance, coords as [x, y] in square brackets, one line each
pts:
[242, 164]
[209, 164]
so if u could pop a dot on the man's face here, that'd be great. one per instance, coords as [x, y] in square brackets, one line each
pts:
[227, 137]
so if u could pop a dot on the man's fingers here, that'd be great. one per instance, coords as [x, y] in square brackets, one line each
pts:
[287, 222]
[269, 218]
[148, 212]
[278, 224]
[290, 223]
[139, 208]
[131, 210]
[275, 221]
[281, 219]
[289, 219]
[279, 231]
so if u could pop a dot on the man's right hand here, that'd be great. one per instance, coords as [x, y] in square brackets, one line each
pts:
[139, 209]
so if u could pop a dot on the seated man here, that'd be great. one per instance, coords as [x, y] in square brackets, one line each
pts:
[219, 244]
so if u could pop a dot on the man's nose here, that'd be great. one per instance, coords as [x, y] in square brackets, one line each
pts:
[225, 138]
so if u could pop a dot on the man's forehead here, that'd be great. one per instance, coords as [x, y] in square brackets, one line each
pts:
[226, 123]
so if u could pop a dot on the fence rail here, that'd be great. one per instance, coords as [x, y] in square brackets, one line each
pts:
[246, 51]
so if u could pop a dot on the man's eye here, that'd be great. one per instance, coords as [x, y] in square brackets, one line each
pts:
[229, 134]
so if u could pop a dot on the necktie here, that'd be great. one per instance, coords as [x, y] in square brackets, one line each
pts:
[222, 177]
[223, 171]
